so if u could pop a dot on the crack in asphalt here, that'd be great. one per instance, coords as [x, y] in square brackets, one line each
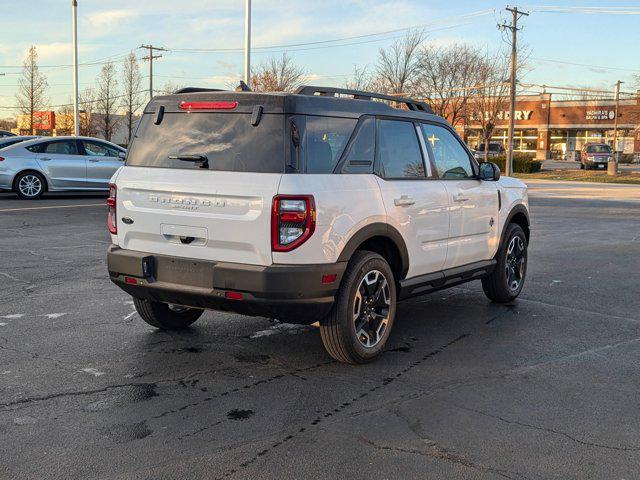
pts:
[341, 407]
[435, 451]
[549, 430]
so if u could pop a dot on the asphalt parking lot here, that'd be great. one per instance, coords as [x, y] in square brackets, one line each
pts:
[544, 388]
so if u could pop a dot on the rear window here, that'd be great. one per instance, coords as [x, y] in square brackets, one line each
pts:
[325, 139]
[598, 149]
[227, 140]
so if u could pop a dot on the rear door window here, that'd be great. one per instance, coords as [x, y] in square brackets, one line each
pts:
[61, 147]
[360, 156]
[228, 140]
[325, 139]
[399, 150]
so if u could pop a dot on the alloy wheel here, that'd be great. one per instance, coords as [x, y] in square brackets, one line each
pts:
[371, 308]
[30, 186]
[516, 263]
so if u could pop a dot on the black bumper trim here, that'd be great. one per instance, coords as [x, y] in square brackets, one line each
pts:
[293, 293]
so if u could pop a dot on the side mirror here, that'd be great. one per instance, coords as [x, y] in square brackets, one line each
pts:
[489, 171]
[122, 155]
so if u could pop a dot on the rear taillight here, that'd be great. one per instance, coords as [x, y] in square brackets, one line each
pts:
[111, 206]
[293, 221]
[1, 159]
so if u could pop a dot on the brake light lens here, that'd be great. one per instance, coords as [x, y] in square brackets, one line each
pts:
[293, 221]
[208, 105]
[1, 159]
[111, 209]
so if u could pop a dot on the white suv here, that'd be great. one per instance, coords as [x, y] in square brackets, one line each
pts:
[325, 205]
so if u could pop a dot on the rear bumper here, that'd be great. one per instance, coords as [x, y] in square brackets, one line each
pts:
[292, 293]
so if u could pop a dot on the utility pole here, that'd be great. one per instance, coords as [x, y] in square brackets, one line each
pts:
[613, 169]
[247, 42]
[74, 20]
[151, 57]
[516, 15]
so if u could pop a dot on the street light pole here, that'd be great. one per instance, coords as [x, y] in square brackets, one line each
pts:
[74, 15]
[247, 42]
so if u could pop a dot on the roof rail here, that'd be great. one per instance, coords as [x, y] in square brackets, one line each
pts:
[360, 95]
[198, 89]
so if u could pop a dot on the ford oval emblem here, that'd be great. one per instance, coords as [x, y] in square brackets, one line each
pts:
[127, 220]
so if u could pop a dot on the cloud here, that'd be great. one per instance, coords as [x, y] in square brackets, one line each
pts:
[103, 21]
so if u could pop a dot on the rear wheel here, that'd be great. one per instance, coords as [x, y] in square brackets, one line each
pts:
[165, 316]
[507, 280]
[358, 326]
[29, 185]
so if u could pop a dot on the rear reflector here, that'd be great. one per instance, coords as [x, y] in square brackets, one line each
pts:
[208, 105]
[131, 280]
[328, 278]
[233, 295]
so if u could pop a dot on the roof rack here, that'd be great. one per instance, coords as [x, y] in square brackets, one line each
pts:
[197, 89]
[360, 95]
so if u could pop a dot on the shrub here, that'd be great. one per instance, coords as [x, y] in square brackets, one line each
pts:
[522, 163]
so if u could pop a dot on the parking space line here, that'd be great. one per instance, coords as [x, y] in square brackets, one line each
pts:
[52, 206]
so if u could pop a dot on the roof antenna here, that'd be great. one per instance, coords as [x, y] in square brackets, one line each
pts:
[243, 87]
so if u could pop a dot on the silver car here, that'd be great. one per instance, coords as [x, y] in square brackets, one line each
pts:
[56, 164]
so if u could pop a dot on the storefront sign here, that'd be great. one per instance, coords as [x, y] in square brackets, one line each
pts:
[600, 115]
[505, 115]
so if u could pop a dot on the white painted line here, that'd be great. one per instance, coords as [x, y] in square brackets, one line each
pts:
[53, 315]
[53, 206]
[2, 324]
[93, 371]
[12, 316]
[129, 316]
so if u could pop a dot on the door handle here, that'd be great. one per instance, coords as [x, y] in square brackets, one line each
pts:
[403, 201]
[93, 160]
[460, 198]
[45, 159]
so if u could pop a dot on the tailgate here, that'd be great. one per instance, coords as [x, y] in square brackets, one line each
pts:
[197, 213]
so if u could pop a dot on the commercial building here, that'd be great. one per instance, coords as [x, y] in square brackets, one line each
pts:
[547, 128]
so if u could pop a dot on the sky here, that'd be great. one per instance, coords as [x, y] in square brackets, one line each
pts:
[586, 46]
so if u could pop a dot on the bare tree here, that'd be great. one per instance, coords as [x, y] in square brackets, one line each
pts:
[362, 79]
[64, 119]
[106, 103]
[32, 86]
[491, 97]
[169, 87]
[447, 76]
[398, 66]
[87, 104]
[132, 84]
[278, 75]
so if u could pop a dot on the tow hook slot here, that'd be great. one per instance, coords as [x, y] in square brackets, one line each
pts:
[185, 235]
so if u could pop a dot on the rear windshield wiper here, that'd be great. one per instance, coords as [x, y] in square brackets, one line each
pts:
[202, 159]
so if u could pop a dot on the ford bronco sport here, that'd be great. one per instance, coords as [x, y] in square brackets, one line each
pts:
[327, 205]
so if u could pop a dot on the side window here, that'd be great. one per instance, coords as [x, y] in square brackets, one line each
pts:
[97, 149]
[449, 156]
[398, 150]
[361, 153]
[37, 148]
[64, 147]
[325, 139]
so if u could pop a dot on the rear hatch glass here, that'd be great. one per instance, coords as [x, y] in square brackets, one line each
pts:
[229, 142]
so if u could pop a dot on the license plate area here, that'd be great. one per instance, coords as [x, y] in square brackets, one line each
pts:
[184, 272]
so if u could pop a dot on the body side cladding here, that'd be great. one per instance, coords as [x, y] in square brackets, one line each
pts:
[378, 230]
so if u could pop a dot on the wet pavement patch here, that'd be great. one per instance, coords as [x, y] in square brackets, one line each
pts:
[122, 433]
[237, 414]
[252, 358]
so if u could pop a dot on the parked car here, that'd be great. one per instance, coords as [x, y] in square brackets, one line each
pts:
[495, 149]
[6, 133]
[307, 207]
[8, 141]
[56, 164]
[595, 155]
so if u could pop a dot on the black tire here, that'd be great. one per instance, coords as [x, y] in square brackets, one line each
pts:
[582, 166]
[164, 316]
[376, 307]
[29, 185]
[499, 286]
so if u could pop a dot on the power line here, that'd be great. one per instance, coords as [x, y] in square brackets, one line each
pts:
[150, 56]
[602, 67]
[613, 10]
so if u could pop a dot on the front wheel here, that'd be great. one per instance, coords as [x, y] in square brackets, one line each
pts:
[358, 326]
[165, 316]
[507, 280]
